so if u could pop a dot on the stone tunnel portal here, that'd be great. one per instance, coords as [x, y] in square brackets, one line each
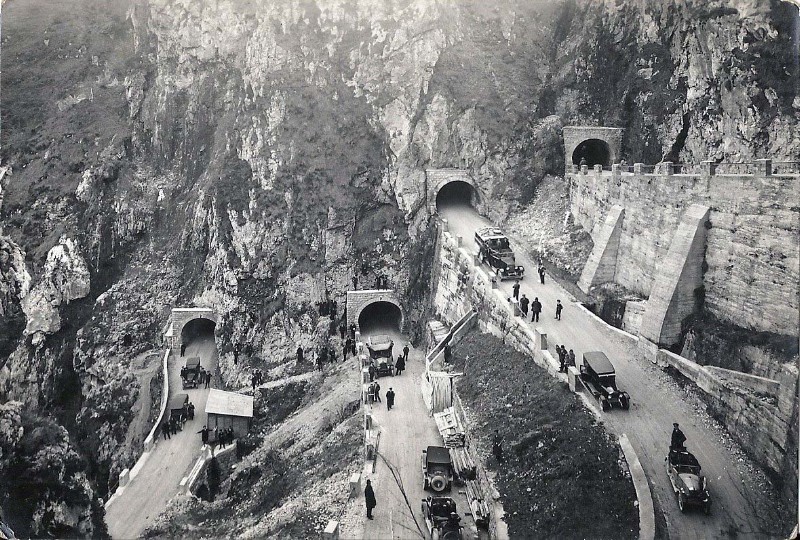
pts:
[456, 193]
[595, 151]
[196, 329]
[380, 316]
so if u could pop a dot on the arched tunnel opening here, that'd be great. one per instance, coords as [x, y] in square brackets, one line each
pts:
[594, 151]
[456, 193]
[380, 317]
[199, 329]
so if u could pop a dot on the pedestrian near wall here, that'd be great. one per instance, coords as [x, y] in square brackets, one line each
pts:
[389, 399]
[523, 306]
[165, 431]
[208, 379]
[405, 353]
[536, 309]
[559, 307]
[541, 273]
[515, 288]
[369, 499]
[400, 365]
[342, 329]
[571, 356]
[299, 354]
[377, 390]
[183, 348]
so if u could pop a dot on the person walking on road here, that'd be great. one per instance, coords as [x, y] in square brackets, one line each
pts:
[561, 358]
[536, 309]
[541, 273]
[523, 306]
[497, 446]
[405, 353]
[299, 354]
[355, 282]
[678, 438]
[400, 365]
[369, 498]
[371, 372]
[208, 379]
[515, 288]
[342, 329]
[389, 399]
[353, 331]
[165, 431]
[559, 307]
[204, 435]
[571, 357]
[183, 348]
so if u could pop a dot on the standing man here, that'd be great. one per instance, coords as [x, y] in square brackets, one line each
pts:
[405, 353]
[541, 273]
[448, 354]
[678, 438]
[369, 498]
[165, 431]
[523, 306]
[497, 446]
[299, 354]
[371, 372]
[536, 308]
[559, 307]
[571, 357]
[253, 381]
[389, 399]
[400, 365]
[355, 282]
[183, 348]
[516, 291]
[342, 329]
[208, 379]
[561, 360]
[235, 354]
[377, 391]
[345, 350]
[353, 331]
[332, 355]
[204, 434]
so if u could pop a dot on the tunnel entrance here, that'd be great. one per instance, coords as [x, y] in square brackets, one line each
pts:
[594, 151]
[197, 329]
[380, 316]
[456, 193]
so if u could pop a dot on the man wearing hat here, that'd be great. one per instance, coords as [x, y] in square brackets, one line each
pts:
[678, 438]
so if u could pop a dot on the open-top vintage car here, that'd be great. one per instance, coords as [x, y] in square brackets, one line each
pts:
[380, 353]
[689, 485]
[599, 377]
[437, 469]
[495, 250]
[442, 518]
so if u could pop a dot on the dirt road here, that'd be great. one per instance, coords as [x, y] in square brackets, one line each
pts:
[742, 502]
[406, 430]
[169, 461]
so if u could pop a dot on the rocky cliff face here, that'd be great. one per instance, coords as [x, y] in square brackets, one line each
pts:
[251, 156]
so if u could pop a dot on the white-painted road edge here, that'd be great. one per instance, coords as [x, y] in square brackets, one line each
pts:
[647, 519]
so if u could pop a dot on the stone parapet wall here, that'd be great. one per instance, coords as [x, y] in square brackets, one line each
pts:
[752, 248]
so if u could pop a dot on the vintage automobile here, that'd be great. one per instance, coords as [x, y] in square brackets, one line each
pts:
[495, 250]
[190, 374]
[689, 485]
[599, 377]
[437, 469]
[178, 408]
[442, 518]
[380, 352]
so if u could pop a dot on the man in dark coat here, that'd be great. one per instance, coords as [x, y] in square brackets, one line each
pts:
[204, 434]
[372, 372]
[183, 348]
[355, 282]
[332, 355]
[561, 359]
[345, 350]
[208, 379]
[299, 354]
[523, 306]
[448, 354]
[571, 357]
[678, 438]
[369, 498]
[536, 308]
[541, 273]
[389, 399]
[254, 381]
[559, 307]
[166, 431]
[405, 353]
[400, 365]
[342, 329]
[353, 331]
[515, 288]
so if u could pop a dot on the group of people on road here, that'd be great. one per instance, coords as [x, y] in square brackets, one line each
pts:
[222, 437]
[565, 358]
[535, 306]
[203, 377]
[256, 379]
[174, 424]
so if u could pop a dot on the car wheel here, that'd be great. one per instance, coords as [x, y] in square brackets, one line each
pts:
[625, 402]
[682, 502]
[605, 404]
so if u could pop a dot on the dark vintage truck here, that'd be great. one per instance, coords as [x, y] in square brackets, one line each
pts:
[380, 353]
[599, 378]
[190, 374]
[437, 469]
[495, 250]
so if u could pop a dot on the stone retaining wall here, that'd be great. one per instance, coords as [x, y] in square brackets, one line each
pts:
[752, 250]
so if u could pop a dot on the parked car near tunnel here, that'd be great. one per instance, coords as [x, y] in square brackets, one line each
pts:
[495, 250]
[380, 352]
